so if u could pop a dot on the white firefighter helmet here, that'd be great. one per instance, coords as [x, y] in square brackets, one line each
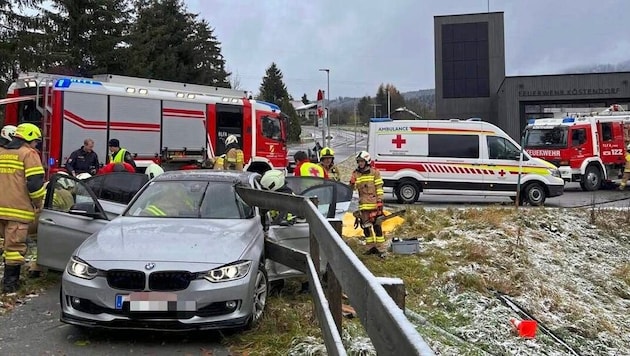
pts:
[153, 170]
[364, 155]
[628, 148]
[273, 179]
[8, 131]
[65, 183]
[82, 176]
[230, 140]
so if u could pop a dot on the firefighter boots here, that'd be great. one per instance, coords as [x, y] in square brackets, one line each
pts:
[11, 280]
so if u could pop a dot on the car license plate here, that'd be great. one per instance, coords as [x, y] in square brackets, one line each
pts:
[154, 301]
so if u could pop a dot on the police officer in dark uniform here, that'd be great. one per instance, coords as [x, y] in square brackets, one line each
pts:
[83, 160]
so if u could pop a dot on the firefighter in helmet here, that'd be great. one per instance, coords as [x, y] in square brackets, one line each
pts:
[22, 181]
[274, 180]
[327, 161]
[8, 132]
[368, 182]
[234, 158]
[626, 170]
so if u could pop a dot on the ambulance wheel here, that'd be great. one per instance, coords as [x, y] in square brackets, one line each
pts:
[535, 194]
[407, 192]
[592, 179]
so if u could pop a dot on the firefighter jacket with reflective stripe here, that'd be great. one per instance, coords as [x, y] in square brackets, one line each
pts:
[16, 166]
[234, 159]
[369, 184]
[332, 171]
[627, 168]
[310, 169]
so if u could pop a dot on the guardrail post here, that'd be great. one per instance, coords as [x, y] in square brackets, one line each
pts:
[314, 245]
[333, 287]
[395, 287]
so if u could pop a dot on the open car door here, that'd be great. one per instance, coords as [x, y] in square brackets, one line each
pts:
[333, 202]
[333, 197]
[71, 213]
[117, 187]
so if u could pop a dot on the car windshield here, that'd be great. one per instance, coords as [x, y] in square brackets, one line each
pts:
[190, 199]
[546, 137]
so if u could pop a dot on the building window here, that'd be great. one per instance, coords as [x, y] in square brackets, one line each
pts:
[454, 146]
[465, 65]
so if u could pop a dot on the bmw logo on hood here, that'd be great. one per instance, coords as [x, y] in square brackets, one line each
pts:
[149, 266]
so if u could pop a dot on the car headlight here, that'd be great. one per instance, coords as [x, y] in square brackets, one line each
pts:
[555, 172]
[229, 272]
[79, 268]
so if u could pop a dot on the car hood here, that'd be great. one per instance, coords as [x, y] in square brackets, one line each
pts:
[172, 240]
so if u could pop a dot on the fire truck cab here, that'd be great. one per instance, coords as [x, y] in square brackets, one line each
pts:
[588, 148]
[177, 125]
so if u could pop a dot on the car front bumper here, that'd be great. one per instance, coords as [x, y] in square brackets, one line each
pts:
[93, 303]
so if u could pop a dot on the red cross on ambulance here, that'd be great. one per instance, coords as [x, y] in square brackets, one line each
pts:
[399, 141]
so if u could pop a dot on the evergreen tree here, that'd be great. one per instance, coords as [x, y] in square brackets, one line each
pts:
[364, 109]
[88, 34]
[305, 100]
[273, 90]
[169, 43]
[21, 47]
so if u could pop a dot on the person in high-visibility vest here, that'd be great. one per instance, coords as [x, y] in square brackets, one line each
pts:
[118, 154]
[368, 182]
[626, 170]
[22, 182]
[305, 168]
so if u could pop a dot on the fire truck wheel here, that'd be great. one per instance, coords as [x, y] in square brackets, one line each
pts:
[592, 179]
[535, 194]
[407, 192]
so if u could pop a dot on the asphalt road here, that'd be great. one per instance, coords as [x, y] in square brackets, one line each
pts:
[573, 197]
[342, 142]
[34, 329]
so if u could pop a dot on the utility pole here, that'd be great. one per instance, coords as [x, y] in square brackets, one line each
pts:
[374, 106]
[327, 70]
[389, 104]
[355, 128]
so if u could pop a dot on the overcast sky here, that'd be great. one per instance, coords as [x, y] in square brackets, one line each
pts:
[367, 42]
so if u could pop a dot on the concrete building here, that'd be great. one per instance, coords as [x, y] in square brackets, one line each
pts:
[470, 78]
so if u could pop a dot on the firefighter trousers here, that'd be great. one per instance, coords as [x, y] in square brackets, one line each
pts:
[373, 240]
[15, 234]
[624, 180]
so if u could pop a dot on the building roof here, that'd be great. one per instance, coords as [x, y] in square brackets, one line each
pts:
[307, 106]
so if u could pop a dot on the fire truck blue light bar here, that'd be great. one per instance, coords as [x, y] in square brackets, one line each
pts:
[66, 82]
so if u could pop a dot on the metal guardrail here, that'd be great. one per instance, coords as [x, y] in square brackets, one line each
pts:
[386, 324]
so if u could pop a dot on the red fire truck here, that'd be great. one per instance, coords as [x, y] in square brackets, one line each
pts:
[177, 125]
[588, 148]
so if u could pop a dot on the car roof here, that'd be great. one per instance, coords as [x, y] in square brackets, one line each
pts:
[207, 175]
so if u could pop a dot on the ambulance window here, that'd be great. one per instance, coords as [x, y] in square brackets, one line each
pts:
[455, 146]
[500, 148]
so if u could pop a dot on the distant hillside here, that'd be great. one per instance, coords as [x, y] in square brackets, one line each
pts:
[600, 68]
[425, 96]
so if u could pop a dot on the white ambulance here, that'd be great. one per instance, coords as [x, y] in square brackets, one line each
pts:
[458, 157]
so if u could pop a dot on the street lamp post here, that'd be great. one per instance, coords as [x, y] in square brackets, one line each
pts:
[327, 70]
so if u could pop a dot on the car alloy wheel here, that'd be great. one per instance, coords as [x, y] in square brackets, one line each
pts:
[260, 295]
